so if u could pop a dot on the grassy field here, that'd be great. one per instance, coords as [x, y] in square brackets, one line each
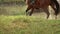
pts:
[14, 21]
[28, 25]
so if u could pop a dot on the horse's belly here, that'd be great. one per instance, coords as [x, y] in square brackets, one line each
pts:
[44, 3]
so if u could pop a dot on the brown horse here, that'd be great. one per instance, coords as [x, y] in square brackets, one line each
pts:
[43, 4]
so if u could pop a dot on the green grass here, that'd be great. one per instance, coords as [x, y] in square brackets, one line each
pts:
[15, 22]
[28, 25]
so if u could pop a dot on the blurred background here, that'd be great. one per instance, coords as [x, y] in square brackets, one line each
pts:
[12, 7]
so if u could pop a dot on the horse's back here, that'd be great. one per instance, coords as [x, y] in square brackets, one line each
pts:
[38, 3]
[42, 3]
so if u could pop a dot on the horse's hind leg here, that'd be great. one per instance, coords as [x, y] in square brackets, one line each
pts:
[56, 9]
[47, 12]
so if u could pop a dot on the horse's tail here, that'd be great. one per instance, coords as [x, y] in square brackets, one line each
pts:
[57, 6]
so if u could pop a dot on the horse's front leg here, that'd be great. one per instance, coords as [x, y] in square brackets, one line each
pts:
[31, 11]
[28, 8]
[47, 12]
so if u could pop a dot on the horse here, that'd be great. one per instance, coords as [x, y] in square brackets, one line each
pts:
[43, 4]
[59, 4]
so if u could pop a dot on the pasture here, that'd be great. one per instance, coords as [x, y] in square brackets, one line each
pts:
[14, 21]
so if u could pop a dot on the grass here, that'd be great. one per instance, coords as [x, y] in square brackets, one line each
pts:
[28, 25]
[21, 24]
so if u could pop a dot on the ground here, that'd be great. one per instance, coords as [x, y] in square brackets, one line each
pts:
[28, 25]
[16, 22]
